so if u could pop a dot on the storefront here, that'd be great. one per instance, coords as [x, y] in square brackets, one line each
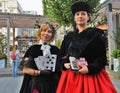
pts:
[24, 43]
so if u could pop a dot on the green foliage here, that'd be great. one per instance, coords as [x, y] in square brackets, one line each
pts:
[117, 38]
[2, 42]
[116, 53]
[60, 10]
[3, 56]
[58, 43]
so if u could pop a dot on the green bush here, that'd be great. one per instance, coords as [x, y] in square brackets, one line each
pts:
[117, 38]
[3, 56]
[116, 53]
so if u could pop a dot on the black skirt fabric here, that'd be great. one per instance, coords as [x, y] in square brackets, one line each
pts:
[44, 84]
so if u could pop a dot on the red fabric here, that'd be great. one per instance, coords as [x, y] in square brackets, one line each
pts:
[35, 90]
[78, 83]
[13, 56]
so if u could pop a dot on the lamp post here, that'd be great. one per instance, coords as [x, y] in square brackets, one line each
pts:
[8, 42]
[111, 42]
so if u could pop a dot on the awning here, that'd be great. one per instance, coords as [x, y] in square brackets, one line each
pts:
[21, 20]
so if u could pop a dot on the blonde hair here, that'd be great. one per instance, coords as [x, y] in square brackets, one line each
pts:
[43, 28]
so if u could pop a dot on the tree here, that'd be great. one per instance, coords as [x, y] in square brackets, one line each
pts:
[117, 38]
[60, 10]
[2, 43]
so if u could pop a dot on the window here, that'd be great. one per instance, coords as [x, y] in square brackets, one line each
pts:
[11, 34]
[5, 10]
[11, 10]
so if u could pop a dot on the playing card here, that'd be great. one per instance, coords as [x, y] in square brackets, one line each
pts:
[46, 62]
[73, 63]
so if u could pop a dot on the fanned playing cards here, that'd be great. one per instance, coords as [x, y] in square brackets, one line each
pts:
[46, 62]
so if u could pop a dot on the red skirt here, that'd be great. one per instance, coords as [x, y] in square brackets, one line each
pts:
[78, 83]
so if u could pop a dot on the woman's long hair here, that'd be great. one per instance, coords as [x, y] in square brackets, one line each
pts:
[14, 48]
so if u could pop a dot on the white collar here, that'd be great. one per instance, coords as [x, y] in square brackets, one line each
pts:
[42, 42]
[45, 48]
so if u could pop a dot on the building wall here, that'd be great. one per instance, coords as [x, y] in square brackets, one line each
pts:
[10, 6]
[13, 6]
[113, 21]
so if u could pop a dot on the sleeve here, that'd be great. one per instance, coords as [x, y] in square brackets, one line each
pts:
[27, 60]
[18, 52]
[65, 44]
[64, 49]
[58, 63]
[99, 59]
[28, 52]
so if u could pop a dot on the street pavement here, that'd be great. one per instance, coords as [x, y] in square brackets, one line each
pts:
[6, 72]
[10, 84]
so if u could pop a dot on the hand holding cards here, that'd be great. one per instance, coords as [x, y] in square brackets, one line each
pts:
[74, 62]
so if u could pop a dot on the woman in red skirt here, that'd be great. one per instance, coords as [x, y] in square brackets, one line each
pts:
[84, 57]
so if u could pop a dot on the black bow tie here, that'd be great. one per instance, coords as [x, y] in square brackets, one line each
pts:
[44, 43]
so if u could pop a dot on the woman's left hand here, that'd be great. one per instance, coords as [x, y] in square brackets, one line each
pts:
[67, 65]
[83, 69]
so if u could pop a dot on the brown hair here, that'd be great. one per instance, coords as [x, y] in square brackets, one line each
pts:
[14, 48]
[89, 17]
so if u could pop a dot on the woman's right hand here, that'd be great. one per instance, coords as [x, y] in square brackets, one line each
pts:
[67, 65]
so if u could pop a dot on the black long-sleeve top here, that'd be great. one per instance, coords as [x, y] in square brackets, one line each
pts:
[90, 44]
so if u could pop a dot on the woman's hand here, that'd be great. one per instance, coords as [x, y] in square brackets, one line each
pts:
[82, 69]
[67, 65]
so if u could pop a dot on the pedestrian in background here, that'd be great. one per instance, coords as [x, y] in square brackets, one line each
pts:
[14, 54]
[87, 47]
[40, 80]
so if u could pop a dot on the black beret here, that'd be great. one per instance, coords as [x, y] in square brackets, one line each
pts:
[51, 27]
[80, 6]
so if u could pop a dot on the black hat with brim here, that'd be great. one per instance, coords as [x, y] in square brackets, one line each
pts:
[80, 6]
